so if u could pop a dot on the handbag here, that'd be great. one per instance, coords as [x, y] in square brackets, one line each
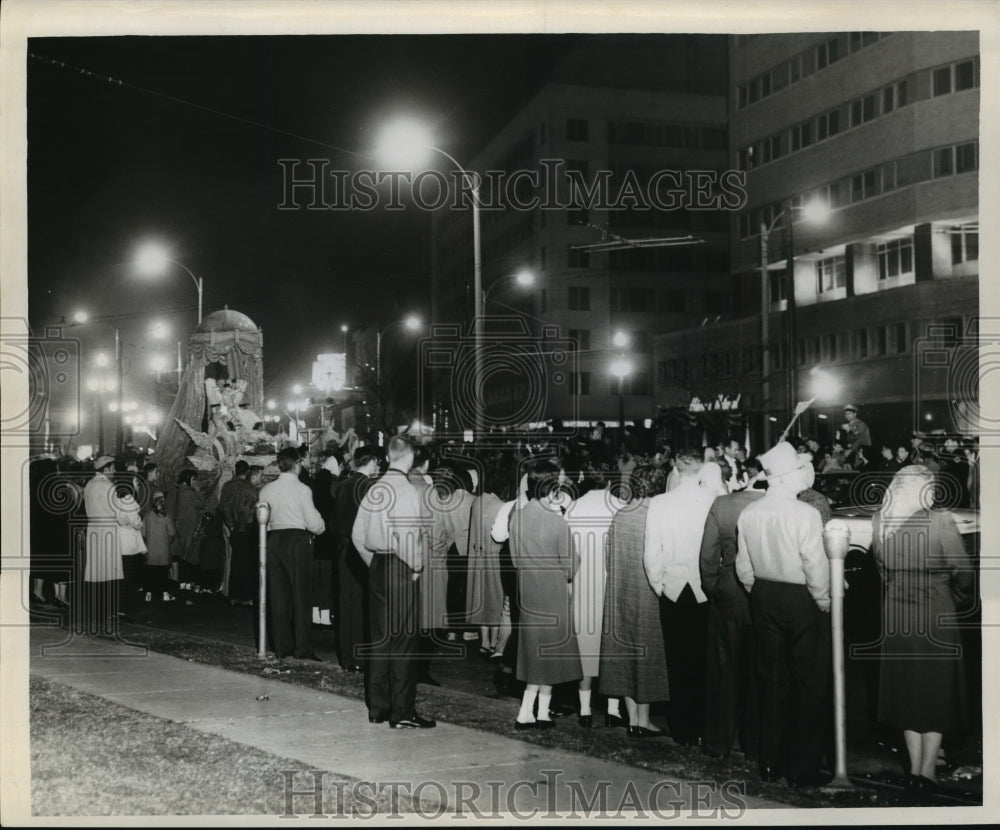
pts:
[130, 541]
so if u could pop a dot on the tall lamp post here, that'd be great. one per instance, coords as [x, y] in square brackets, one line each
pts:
[406, 142]
[815, 212]
[152, 259]
[81, 318]
[411, 322]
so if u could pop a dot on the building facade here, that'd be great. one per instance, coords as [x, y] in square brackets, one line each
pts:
[593, 143]
[883, 130]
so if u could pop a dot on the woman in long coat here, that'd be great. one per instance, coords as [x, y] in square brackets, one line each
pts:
[186, 513]
[484, 591]
[589, 518]
[103, 571]
[542, 552]
[927, 575]
[633, 661]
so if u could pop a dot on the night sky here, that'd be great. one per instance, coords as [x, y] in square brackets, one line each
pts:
[112, 165]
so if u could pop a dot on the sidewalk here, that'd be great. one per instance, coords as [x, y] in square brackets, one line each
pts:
[455, 765]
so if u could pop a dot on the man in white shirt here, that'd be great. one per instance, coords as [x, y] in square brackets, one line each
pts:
[391, 534]
[294, 522]
[781, 561]
[674, 527]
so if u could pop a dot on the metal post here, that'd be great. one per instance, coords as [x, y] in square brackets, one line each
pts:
[120, 392]
[837, 541]
[478, 322]
[765, 308]
[263, 511]
[792, 358]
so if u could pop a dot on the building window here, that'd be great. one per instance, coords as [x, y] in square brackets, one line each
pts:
[942, 81]
[741, 96]
[856, 113]
[800, 353]
[895, 258]
[582, 339]
[777, 285]
[869, 110]
[888, 99]
[964, 243]
[965, 75]
[640, 384]
[579, 383]
[577, 129]
[831, 273]
[965, 157]
[861, 344]
[881, 342]
[579, 298]
[576, 258]
[831, 347]
[900, 342]
[901, 94]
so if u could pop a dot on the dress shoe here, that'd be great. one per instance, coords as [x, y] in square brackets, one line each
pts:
[377, 717]
[815, 779]
[612, 721]
[586, 721]
[414, 721]
[770, 775]
[645, 732]
[544, 724]
[427, 680]
[523, 725]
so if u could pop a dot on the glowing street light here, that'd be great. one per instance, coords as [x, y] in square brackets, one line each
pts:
[297, 389]
[159, 330]
[152, 259]
[80, 317]
[158, 363]
[620, 339]
[816, 212]
[272, 404]
[101, 359]
[525, 278]
[407, 144]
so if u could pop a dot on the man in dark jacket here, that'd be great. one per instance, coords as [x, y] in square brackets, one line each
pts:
[352, 618]
[731, 699]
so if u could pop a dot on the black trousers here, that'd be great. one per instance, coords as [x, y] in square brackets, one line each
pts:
[395, 621]
[289, 591]
[732, 710]
[685, 629]
[793, 676]
[353, 623]
[243, 564]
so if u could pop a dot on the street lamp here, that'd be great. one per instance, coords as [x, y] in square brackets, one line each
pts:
[816, 211]
[621, 367]
[524, 278]
[81, 318]
[406, 142]
[152, 259]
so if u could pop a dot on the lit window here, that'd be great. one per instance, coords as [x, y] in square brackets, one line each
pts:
[831, 273]
[895, 258]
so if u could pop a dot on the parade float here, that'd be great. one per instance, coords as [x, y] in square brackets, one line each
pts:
[214, 420]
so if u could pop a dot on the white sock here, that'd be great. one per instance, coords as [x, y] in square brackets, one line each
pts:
[315, 615]
[613, 707]
[584, 701]
[527, 715]
[543, 706]
[324, 617]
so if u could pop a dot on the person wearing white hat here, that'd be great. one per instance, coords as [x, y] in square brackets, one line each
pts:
[782, 563]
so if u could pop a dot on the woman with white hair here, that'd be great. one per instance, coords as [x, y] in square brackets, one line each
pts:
[927, 574]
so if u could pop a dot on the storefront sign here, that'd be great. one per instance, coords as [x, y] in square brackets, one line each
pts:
[720, 403]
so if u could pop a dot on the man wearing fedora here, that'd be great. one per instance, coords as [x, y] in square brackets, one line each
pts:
[782, 563]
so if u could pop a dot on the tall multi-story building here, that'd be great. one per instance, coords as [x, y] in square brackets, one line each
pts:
[612, 115]
[881, 128]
